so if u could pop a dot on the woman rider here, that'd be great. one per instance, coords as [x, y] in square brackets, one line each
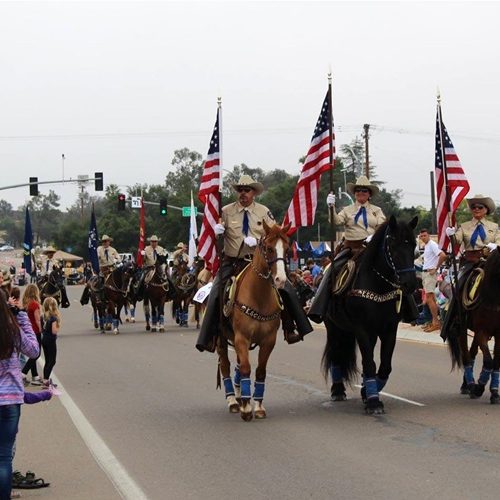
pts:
[361, 220]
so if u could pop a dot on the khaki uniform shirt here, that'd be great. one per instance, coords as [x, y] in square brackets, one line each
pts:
[357, 231]
[464, 234]
[179, 255]
[149, 255]
[108, 260]
[47, 265]
[232, 217]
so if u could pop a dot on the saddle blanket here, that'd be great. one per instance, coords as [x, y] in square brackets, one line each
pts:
[203, 293]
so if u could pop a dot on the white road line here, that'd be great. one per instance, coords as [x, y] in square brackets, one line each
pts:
[124, 484]
[399, 398]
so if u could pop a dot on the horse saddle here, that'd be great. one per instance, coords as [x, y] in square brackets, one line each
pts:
[471, 290]
[344, 278]
[149, 275]
[186, 282]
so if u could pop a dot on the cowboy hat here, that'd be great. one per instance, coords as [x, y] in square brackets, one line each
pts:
[154, 238]
[105, 237]
[247, 181]
[49, 249]
[6, 275]
[362, 182]
[482, 200]
[180, 245]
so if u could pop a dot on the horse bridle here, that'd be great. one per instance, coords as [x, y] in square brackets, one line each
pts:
[269, 262]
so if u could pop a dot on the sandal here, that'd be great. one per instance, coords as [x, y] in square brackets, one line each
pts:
[28, 482]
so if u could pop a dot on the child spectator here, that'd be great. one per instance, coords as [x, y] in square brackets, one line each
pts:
[51, 325]
[31, 304]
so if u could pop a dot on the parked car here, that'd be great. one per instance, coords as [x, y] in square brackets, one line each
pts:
[6, 248]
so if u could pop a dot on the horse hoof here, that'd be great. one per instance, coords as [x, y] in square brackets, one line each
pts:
[464, 389]
[116, 331]
[234, 408]
[246, 415]
[161, 329]
[476, 390]
[148, 328]
[132, 320]
[108, 328]
[495, 398]
[96, 325]
[153, 328]
[339, 397]
[127, 320]
[374, 407]
[337, 392]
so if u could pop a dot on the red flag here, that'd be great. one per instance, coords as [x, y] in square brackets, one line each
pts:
[451, 184]
[209, 195]
[302, 208]
[142, 234]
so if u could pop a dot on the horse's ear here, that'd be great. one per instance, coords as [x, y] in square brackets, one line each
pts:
[393, 223]
[286, 228]
[413, 223]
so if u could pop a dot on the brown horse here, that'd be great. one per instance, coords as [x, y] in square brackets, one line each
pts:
[254, 321]
[483, 318]
[185, 288]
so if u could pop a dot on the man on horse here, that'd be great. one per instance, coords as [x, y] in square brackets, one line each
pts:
[241, 227]
[360, 220]
[479, 237]
[108, 258]
[49, 263]
[150, 254]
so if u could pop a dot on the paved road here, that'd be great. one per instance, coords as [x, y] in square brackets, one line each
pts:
[152, 399]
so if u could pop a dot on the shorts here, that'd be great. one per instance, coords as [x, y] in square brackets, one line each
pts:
[429, 281]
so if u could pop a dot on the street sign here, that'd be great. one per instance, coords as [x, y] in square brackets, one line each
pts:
[186, 211]
[136, 202]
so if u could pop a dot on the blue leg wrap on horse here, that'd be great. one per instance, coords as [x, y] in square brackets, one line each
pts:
[162, 319]
[258, 391]
[115, 323]
[381, 383]
[495, 379]
[484, 376]
[371, 388]
[132, 312]
[228, 386]
[109, 318]
[185, 317]
[95, 317]
[469, 374]
[237, 375]
[336, 373]
[155, 319]
[101, 322]
[246, 392]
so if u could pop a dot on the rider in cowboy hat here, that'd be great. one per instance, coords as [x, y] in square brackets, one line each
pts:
[150, 254]
[241, 227]
[479, 237]
[108, 258]
[48, 264]
[180, 253]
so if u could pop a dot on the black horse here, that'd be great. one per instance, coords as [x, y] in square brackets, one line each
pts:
[369, 311]
[52, 285]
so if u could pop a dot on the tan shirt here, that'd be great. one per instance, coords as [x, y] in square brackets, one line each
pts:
[232, 218]
[464, 234]
[180, 254]
[149, 254]
[357, 231]
[108, 260]
[47, 265]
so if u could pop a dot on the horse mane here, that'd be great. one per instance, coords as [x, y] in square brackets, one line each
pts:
[490, 290]
[373, 248]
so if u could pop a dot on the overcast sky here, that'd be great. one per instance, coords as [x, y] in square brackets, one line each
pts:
[118, 86]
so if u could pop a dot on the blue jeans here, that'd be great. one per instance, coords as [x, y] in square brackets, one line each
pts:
[9, 420]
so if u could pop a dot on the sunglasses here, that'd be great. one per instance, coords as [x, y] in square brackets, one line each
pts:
[361, 190]
[477, 207]
[244, 190]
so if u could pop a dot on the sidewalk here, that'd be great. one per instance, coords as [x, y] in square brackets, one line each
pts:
[415, 333]
[49, 444]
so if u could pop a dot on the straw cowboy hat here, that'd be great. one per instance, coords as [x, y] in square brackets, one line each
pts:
[180, 245]
[154, 238]
[362, 182]
[49, 249]
[247, 181]
[105, 237]
[480, 199]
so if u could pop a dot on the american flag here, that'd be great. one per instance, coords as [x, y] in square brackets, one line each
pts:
[209, 195]
[302, 208]
[457, 182]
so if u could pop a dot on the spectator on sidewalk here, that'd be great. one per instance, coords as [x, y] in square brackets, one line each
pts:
[51, 325]
[31, 304]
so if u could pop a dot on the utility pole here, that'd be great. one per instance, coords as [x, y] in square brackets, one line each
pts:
[433, 205]
[366, 128]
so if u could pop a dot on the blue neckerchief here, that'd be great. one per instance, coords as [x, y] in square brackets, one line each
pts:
[155, 254]
[361, 211]
[246, 223]
[479, 231]
[106, 253]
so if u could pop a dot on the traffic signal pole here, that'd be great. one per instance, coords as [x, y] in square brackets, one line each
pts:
[64, 181]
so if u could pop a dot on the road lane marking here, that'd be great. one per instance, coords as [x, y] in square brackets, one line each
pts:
[114, 470]
[399, 398]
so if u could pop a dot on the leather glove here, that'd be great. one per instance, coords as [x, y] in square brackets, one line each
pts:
[219, 229]
[369, 238]
[450, 231]
[492, 246]
[250, 241]
[330, 200]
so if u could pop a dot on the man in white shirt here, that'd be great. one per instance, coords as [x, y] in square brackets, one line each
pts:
[433, 258]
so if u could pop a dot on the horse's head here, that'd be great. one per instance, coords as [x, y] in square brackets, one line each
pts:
[273, 247]
[128, 269]
[399, 252]
[57, 276]
[160, 265]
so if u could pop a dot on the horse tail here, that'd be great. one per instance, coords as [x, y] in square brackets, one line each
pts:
[340, 351]
[455, 346]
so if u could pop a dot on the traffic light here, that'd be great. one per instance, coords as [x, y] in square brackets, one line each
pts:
[33, 187]
[163, 207]
[98, 181]
[121, 201]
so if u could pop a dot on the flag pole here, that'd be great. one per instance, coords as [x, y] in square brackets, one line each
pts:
[453, 242]
[332, 161]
